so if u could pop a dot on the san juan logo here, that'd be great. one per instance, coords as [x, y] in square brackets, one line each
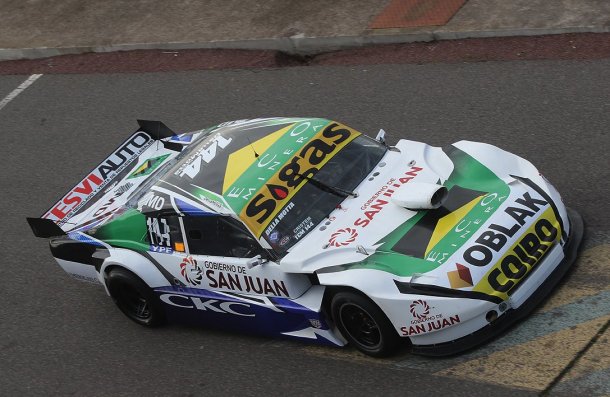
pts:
[426, 318]
[343, 237]
[419, 309]
[190, 270]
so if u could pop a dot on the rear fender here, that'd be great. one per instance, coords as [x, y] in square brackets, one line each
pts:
[136, 263]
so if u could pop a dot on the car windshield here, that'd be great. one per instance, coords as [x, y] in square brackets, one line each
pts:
[312, 203]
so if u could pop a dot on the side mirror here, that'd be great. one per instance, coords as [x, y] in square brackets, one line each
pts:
[256, 261]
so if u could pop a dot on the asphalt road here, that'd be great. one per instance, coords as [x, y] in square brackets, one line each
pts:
[60, 336]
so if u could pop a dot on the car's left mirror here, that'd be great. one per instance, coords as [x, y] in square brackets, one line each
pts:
[256, 261]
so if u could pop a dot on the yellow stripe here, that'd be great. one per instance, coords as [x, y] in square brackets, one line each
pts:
[448, 222]
[240, 160]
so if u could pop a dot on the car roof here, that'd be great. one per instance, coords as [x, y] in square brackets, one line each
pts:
[226, 167]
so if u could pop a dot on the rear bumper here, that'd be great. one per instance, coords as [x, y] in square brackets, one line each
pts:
[512, 316]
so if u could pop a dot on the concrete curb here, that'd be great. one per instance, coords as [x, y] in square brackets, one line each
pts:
[299, 44]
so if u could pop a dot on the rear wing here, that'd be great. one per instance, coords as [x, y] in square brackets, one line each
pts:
[113, 169]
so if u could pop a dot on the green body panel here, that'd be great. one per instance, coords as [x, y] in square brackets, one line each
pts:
[469, 174]
[128, 230]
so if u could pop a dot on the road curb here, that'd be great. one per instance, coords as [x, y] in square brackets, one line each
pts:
[299, 44]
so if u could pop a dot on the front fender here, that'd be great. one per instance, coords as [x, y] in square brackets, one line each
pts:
[417, 316]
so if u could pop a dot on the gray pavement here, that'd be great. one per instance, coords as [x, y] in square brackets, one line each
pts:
[59, 336]
[41, 29]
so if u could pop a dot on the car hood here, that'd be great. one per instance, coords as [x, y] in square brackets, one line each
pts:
[488, 188]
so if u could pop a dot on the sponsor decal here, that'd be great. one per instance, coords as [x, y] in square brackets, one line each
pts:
[315, 323]
[148, 166]
[224, 267]
[88, 279]
[123, 188]
[460, 278]
[284, 241]
[279, 217]
[375, 204]
[103, 210]
[343, 237]
[234, 277]
[419, 309]
[423, 321]
[192, 166]
[264, 203]
[161, 250]
[523, 255]
[152, 201]
[158, 232]
[245, 283]
[76, 198]
[274, 237]
[372, 207]
[208, 305]
[302, 228]
[209, 198]
[186, 138]
[190, 270]
[107, 209]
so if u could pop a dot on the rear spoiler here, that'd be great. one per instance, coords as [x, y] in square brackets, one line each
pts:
[157, 130]
[45, 228]
[82, 195]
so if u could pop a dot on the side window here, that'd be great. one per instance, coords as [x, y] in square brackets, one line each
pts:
[201, 234]
[219, 236]
[164, 233]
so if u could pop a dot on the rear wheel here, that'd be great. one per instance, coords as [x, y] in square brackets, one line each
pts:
[364, 325]
[134, 298]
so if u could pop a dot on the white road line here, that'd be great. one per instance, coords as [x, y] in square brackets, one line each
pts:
[28, 82]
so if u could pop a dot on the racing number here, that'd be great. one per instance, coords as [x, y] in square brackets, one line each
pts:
[206, 155]
[158, 232]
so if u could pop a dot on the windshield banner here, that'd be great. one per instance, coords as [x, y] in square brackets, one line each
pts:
[269, 184]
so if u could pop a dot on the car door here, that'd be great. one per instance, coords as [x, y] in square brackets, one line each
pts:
[221, 255]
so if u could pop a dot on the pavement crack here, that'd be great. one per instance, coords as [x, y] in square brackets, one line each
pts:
[574, 360]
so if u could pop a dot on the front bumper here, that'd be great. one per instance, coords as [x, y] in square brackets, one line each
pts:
[511, 316]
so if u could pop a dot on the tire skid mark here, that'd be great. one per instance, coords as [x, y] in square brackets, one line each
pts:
[590, 374]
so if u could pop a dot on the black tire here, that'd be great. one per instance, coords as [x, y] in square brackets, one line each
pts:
[364, 325]
[134, 298]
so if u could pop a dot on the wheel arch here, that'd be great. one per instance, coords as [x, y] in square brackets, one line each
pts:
[331, 290]
[137, 264]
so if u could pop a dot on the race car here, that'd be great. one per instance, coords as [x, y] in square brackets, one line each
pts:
[306, 228]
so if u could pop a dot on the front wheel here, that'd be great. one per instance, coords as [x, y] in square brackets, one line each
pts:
[134, 298]
[364, 325]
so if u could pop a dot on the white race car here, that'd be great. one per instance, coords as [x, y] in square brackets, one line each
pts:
[305, 228]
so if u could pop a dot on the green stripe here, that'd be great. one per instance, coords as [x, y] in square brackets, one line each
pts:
[128, 230]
